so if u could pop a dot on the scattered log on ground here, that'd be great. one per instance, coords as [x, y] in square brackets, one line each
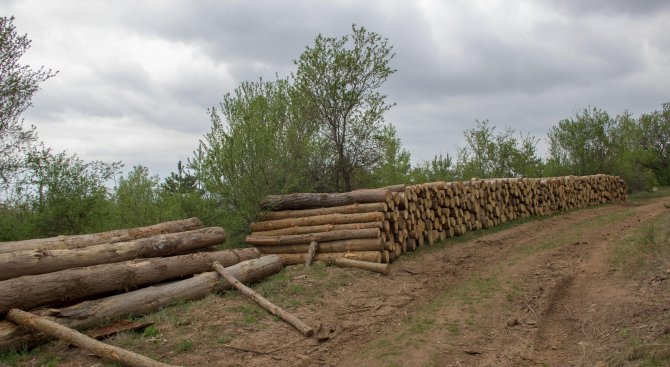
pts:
[15, 264]
[307, 238]
[70, 285]
[346, 209]
[322, 200]
[363, 244]
[90, 313]
[318, 228]
[364, 265]
[119, 235]
[294, 259]
[82, 341]
[305, 329]
[317, 220]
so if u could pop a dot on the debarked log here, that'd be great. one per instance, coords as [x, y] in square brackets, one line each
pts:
[15, 264]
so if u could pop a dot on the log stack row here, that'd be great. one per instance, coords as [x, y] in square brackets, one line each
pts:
[82, 281]
[378, 225]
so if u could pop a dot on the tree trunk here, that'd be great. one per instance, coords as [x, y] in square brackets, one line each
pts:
[82, 341]
[32, 262]
[119, 235]
[318, 228]
[307, 238]
[362, 244]
[318, 220]
[305, 329]
[322, 200]
[70, 285]
[294, 259]
[346, 209]
[141, 301]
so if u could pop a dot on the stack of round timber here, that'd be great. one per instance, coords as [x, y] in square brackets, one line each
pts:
[69, 279]
[401, 218]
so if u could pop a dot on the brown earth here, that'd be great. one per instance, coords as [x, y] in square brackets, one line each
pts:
[584, 288]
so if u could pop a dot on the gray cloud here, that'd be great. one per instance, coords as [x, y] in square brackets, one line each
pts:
[153, 68]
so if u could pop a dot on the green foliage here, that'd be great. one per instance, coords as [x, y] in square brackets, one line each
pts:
[438, 169]
[138, 199]
[489, 155]
[394, 167]
[18, 84]
[339, 79]
[257, 146]
[655, 143]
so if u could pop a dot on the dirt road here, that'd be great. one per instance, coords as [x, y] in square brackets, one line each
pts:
[589, 287]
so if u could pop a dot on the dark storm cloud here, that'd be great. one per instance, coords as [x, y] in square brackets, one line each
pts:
[611, 7]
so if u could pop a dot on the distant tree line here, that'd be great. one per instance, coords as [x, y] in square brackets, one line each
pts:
[322, 129]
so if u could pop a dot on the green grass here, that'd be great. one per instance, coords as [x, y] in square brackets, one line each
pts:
[660, 192]
[150, 331]
[183, 346]
[647, 247]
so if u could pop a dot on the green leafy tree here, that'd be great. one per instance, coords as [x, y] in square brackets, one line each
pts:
[394, 166]
[66, 194]
[18, 84]
[339, 79]
[582, 145]
[258, 145]
[655, 143]
[440, 168]
[138, 199]
[489, 154]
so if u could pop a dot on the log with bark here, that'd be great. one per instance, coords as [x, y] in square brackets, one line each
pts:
[70, 285]
[362, 244]
[363, 265]
[297, 239]
[32, 262]
[56, 330]
[322, 200]
[345, 209]
[330, 257]
[119, 235]
[318, 220]
[91, 313]
[318, 228]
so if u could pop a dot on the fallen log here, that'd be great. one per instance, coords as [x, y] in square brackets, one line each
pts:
[363, 244]
[139, 302]
[318, 228]
[82, 341]
[345, 209]
[322, 200]
[70, 285]
[364, 265]
[305, 329]
[310, 237]
[15, 264]
[317, 220]
[294, 259]
[84, 240]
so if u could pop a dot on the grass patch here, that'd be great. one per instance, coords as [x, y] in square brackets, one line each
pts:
[660, 192]
[646, 248]
[642, 354]
[183, 346]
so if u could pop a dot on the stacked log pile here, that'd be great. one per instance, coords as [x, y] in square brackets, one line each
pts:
[378, 225]
[82, 281]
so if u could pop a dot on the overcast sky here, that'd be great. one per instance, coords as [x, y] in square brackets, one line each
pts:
[136, 77]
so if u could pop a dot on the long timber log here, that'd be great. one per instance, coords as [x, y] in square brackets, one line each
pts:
[345, 209]
[67, 286]
[345, 234]
[362, 244]
[141, 301]
[294, 259]
[318, 220]
[318, 228]
[15, 264]
[84, 240]
[322, 200]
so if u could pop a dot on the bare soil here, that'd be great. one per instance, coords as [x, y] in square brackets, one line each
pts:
[584, 288]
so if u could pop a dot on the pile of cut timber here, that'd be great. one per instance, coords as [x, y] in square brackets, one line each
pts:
[84, 280]
[378, 225]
